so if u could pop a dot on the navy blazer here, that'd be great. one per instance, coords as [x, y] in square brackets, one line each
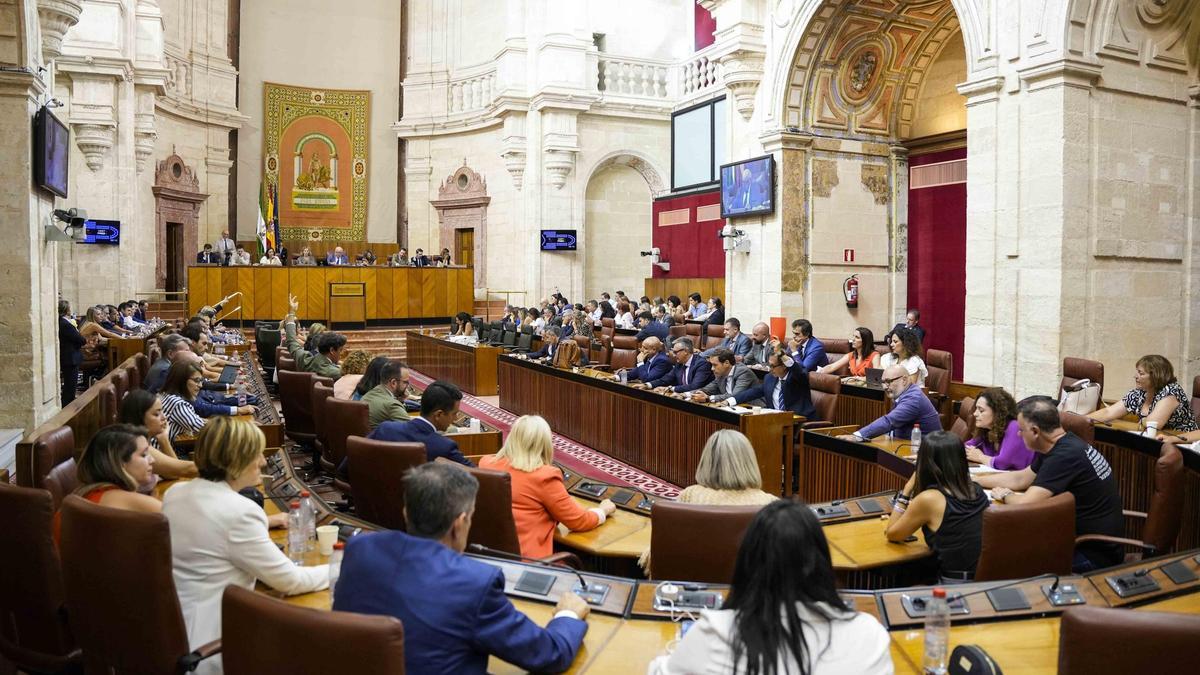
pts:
[453, 608]
[655, 369]
[700, 375]
[796, 395]
[812, 354]
[70, 342]
[655, 329]
[420, 431]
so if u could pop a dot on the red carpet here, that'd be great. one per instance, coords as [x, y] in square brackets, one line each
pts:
[576, 457]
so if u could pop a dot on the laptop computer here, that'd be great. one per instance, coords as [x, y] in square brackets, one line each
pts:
[875, 377]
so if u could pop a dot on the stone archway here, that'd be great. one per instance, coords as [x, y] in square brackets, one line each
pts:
[177, 200]
[638, 163]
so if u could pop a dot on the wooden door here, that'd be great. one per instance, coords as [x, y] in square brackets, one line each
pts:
[464, 247]
[176, 262]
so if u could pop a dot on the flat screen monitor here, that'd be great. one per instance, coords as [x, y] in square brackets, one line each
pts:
[558, 240]
[51, 151]
[102, 232]
[748, 187]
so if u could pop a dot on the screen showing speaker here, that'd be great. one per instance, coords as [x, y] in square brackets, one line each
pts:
[559, 240]
[51, 151]
[748, 187]
[102, 232]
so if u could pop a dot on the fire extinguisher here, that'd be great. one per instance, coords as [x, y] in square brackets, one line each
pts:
[850, 290]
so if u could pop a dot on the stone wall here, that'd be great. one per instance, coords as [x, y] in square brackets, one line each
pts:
[615, 231]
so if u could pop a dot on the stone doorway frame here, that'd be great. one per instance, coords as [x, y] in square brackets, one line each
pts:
[177, 199]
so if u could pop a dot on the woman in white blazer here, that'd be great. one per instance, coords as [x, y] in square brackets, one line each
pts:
[220, 538]
[783, 571]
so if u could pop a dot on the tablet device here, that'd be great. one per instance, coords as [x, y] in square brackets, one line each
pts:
[874, 377]
[1008, 599]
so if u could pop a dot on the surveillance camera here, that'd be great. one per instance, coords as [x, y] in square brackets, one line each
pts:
[54, 103]
[73, 217]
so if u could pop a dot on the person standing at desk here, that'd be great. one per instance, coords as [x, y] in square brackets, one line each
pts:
[654, 366]
[910, 407]
[1065, 463]
[453, 608]
[911, 322]
[225, 247]
[785, 386]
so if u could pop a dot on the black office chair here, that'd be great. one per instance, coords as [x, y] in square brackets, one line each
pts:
[495, 333]
[510, 337]
[524, 340]
[478, 323]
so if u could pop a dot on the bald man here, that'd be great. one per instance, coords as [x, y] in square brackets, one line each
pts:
[655, 364]
[760, 346]
[910, 407]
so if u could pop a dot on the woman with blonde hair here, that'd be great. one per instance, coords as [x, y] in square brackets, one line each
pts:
[353, 365]
[540, 500]
[1156, 398]
[219, 538]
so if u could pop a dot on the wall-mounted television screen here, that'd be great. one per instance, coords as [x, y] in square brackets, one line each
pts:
[51, 151]
[748, 187]
[101, 232]
[558, 240]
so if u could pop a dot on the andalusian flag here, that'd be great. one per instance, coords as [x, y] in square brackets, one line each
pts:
[260, 229]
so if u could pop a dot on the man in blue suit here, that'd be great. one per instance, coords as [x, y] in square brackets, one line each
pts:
[550, 339]
[655, 364]
[337, 257]
[735, 340]
[651, 328]
[805, 348]
[691, 371]
[439, 409]
[453, 608]
[785, 387]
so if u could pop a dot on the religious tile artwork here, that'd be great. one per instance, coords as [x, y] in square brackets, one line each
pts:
[315, 149]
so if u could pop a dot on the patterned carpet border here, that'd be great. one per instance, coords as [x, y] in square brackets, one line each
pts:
[574, 456]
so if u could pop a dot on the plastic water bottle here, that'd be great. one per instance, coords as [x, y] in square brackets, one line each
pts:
[296, 543]
[308, 517]
[335, 568]
[937, 633]
[915, 440]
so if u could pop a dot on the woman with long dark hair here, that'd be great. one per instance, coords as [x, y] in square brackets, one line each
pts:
[997, 442]
[906, 351]
[370, 379]
[783, 614]
[943, 502]
[862, 354]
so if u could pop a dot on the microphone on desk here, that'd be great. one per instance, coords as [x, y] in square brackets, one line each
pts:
[590, 481]
[593, 594]
[955, 597]
[839, 502]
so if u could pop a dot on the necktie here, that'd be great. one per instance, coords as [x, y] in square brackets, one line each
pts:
[686, 366]
[779, 395]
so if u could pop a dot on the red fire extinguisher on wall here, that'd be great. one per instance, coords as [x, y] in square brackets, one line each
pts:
[850, 290]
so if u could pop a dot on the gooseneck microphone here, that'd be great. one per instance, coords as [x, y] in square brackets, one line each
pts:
[593, 593]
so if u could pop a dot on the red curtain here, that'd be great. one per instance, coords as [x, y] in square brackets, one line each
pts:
[705, 26]
[937, 258]
[692, 248]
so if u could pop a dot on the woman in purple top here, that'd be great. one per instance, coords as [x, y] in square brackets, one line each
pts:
[997, 442]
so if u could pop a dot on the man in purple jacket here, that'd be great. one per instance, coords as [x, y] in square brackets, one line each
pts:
[910, 407]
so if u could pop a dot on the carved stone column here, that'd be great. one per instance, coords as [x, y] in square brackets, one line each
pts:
[55, 18]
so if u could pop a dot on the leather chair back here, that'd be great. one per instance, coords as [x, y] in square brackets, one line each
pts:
[585, 347]
[296, 401]
[1079, 369]
[825, 389]
[320, 419]
[692, 330]
[50, 464]
[493, 524]
[285, 363]
[119, 378]
[1078, 425]
[143, 365]
[964, 422]
[267, 341]
[1103, 640]
[1009, 552]
[676, 331]
[33, 622]
[280, 352]
[941, 368]
[377, 471]
[609, 323]
[836, 348]
[258, 637]
[676, 552]
[1164, 516]
[344, 419]
[714, 334]
[624, 352]
[117, 574]
[525, 339]
[1196, 396]
[133, 378]
[153, 353]
[110, 404]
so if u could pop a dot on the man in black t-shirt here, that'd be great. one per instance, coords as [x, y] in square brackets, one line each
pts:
[1065, 463]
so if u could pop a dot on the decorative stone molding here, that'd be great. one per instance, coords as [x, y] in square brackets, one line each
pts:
[514, 162]
[558, 165]
[144, 131]
[94, 141]
[1063, 72]
[741, 71]
[462, 204]
[56, 17]
[177, 199]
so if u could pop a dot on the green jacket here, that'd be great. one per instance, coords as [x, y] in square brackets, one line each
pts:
[384, 407]
[319, 363]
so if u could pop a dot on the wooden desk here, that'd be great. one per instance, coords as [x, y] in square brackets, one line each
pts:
[391, 292]
[859, 405]
[473, 369]
[830, 468]
[658, 434]
[1029, 646]
[121, 349]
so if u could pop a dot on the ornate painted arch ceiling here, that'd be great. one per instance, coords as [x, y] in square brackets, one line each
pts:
[861, 65]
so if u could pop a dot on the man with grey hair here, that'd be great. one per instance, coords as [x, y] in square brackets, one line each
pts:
[691, 371]
[454, 610]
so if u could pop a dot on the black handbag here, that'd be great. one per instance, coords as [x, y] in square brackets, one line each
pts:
[971, 660]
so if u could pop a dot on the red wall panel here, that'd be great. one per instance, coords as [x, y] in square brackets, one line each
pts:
[705, 26]
[937, 258]
[692, 248]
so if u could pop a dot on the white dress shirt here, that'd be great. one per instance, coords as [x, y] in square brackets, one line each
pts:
[914, 365]
[219, 538]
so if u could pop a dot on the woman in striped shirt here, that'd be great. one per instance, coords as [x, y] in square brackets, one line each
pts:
[182, 386]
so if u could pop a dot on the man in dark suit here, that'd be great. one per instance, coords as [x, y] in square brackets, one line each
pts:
[730, 378]
[691, 371]
[439, 409]
[70, 344]
[760, 345]
[735, 340]
[784, 388]
[420, 259]
[912, 322]
[453, 608]
[651, 328]
[805, 348]
[655, 364]
[208, 256]
[550, 338]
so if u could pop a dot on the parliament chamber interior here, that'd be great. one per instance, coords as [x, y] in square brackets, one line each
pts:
[609, 336]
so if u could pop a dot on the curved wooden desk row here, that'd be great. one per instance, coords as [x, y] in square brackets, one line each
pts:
[658, 434]
[472, 369]
[626, 632]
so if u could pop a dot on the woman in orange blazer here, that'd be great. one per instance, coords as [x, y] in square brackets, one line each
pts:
[540, 500]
